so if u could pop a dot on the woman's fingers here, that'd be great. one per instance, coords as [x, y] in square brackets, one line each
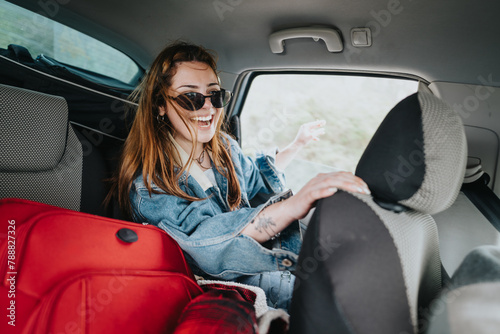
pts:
[321, 186]
[321, 192]
[316, 124]
[323, 183]
[350, 182]
[316, 133]
[310, 131]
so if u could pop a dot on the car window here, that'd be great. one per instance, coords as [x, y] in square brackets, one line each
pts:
[41, 35]
[352, 106]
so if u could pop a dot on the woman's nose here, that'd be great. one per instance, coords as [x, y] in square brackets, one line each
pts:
[208, 102]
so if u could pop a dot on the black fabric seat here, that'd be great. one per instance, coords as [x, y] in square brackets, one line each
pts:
[371, 264]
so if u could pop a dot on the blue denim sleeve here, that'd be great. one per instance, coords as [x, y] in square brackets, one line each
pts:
[213, 238]
[259, 175]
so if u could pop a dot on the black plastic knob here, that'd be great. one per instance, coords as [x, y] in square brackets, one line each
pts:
[127, 235]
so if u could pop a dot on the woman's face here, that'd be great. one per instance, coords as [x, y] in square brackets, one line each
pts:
[199, 78]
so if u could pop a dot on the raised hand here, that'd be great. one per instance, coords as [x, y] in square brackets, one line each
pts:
[310, 132]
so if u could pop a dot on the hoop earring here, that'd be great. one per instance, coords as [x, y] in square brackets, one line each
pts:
[160, 118]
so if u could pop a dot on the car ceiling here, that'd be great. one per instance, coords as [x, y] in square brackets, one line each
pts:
[437, 40]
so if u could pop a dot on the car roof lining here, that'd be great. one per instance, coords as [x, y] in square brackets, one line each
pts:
[239, 31]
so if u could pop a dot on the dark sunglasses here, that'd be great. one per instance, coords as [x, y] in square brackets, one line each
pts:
[195, 101]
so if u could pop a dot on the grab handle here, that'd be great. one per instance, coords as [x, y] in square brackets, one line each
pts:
[330, 36]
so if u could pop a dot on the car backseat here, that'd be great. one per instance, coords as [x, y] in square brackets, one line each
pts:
[95, 113]
[46, 159]
[464, 227]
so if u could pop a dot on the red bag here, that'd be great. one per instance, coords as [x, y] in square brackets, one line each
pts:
[218, 311]
[42, 246]
[110, 302]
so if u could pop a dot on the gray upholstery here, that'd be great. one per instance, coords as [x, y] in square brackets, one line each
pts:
[42, 158]
[471, 304]
[376, 258]
[28, 129]
[415, 236]
[463, 227]
[445, 151]
[417, 157]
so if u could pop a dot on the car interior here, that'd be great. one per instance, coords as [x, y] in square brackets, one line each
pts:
[65, 112]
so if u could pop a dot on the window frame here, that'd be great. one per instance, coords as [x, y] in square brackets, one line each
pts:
[245, 80]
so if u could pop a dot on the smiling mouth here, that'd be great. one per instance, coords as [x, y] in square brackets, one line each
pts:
[203, 122]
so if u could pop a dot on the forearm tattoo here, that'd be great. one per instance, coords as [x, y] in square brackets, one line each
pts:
[265, 224]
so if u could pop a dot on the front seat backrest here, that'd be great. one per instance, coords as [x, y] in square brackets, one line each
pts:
[371, 264]
[41, 156]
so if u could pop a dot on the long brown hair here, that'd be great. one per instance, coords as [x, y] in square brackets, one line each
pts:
[149, 146]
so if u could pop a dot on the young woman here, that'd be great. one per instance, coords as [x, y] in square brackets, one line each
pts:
[179, 171]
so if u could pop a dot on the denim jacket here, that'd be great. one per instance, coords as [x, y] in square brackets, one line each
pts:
[208, 232]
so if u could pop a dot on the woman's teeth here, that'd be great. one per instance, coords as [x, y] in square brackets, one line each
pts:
[206, 118]
[203, 121]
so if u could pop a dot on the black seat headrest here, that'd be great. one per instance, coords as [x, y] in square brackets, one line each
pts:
[417, 157]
